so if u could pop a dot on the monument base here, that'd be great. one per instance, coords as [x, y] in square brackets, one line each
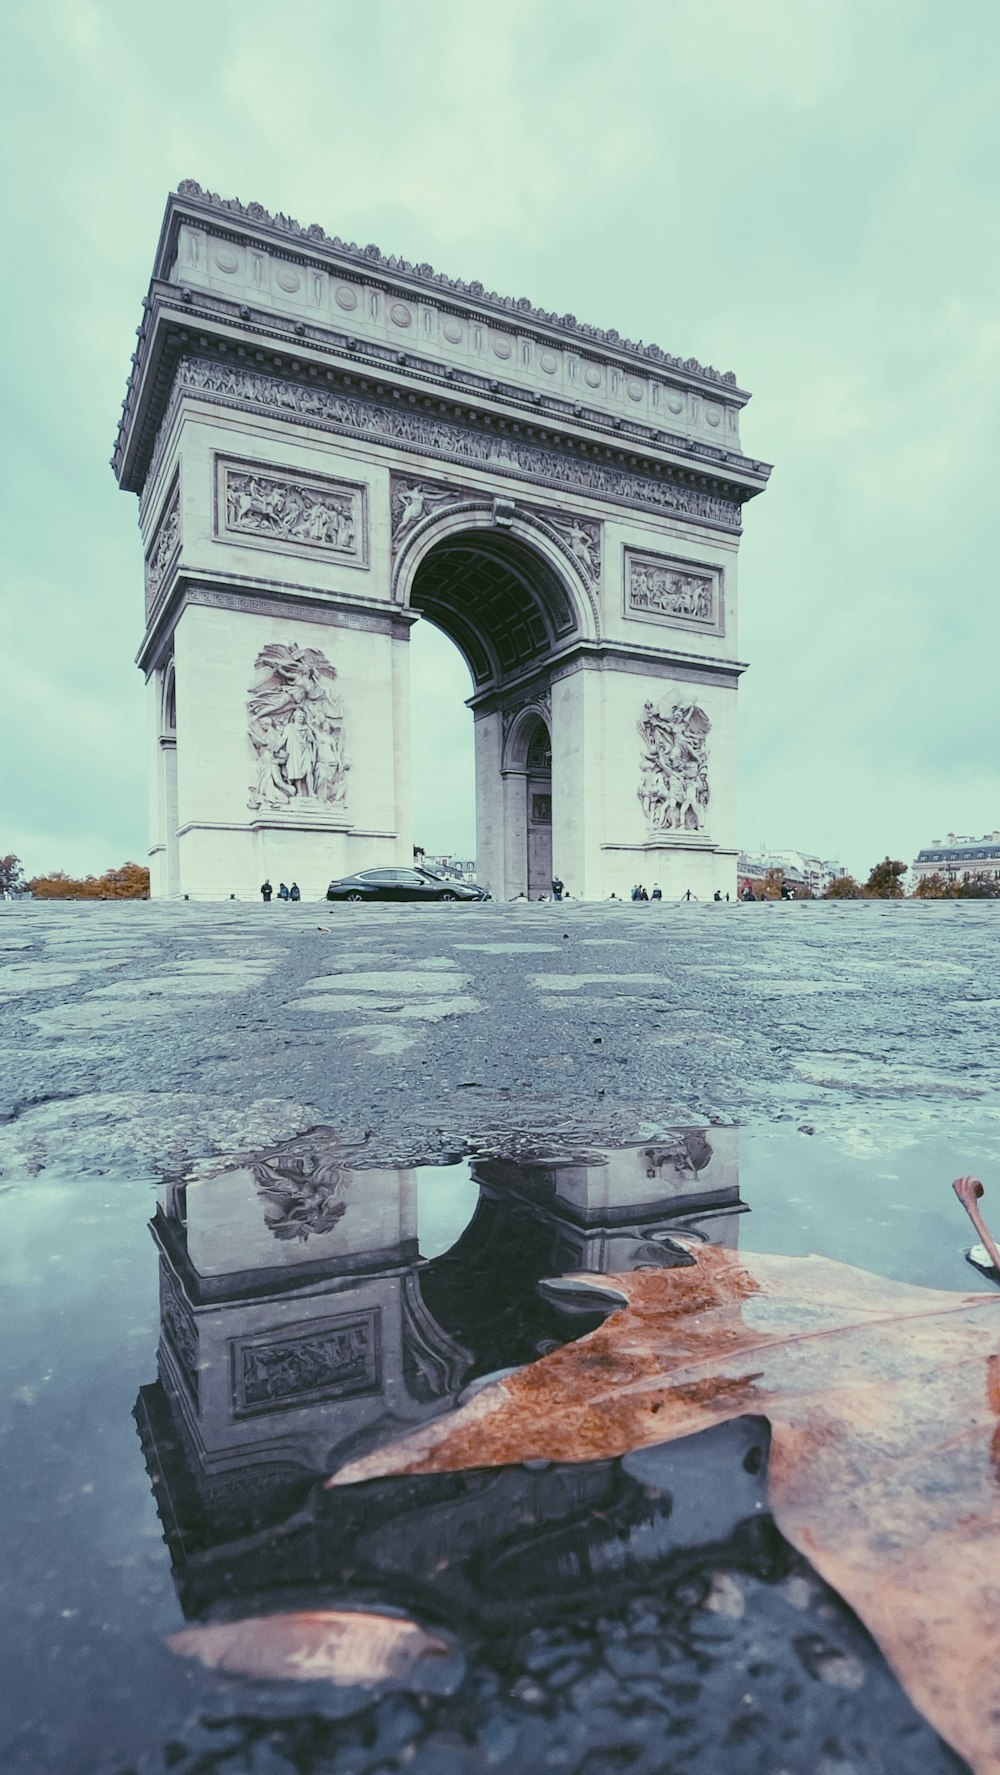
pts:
[678, 863]
[231, 861]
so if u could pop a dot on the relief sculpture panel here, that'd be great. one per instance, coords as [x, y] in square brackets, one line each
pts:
[162, 550]
[300, 514]
[673, 777]
[332, 1359]
[296, 730]
[413, 500]
[673, 592]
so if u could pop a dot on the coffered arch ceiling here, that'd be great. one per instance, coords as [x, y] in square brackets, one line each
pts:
[497, 599]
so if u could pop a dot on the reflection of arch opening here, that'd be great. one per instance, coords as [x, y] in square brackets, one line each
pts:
[499, 600]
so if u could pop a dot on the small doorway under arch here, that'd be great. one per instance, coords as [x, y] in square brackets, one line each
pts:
[538, 810]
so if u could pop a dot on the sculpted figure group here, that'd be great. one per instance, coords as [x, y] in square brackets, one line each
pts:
[296, 727]
[673, 782]
[300, 514]
[669, 593]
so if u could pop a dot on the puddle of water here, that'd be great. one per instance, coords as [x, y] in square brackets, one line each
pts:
[171, 1405]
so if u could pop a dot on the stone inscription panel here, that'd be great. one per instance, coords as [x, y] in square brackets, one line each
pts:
[326, 1359]
[276, 509]
[679, 594]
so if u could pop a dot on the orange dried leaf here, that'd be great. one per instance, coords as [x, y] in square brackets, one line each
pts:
[329, 1645]
[883, 1401]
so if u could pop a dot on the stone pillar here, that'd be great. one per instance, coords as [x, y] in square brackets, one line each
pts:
[230, 835]
[490, 858]
[168, 769]
[514, 788]
[578, 780]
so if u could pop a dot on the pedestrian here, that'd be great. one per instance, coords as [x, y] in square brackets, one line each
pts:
[558, 888]
[266, 890]
[282, 891]
[636, 891]
[687, 896]
[657, 893]
[293, 892]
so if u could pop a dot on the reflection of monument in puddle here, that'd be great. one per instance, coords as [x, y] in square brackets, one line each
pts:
[300, 1321]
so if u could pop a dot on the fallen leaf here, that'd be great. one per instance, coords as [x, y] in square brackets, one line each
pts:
[884, 1405]
[325, 1645]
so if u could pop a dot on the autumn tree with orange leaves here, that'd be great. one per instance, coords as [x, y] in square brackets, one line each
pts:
[130, 882]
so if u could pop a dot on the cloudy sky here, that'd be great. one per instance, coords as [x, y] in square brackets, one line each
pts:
[799, 190]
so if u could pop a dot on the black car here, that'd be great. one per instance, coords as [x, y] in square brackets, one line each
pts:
[402, 884]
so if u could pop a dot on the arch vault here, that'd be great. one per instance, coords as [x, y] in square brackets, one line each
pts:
[328, 444]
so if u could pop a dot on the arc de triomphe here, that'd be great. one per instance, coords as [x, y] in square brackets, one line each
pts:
[327, 444]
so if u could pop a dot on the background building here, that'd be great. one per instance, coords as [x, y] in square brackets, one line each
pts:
[459, 868]
[955, 856]
[803, 871]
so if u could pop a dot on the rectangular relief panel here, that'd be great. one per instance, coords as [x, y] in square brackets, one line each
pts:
[679, 594]
[280, 510]
[326, 1359]
[164, 547]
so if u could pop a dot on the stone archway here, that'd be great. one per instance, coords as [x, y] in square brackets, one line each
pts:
[164, 859]
[328, 443]
[527, 803]
[512, 607]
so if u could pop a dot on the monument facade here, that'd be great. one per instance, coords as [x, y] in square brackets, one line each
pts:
[328, 444]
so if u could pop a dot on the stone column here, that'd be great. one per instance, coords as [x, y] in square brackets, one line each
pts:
[490, 859]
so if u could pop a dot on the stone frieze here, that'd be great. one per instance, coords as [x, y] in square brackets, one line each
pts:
[408, 429]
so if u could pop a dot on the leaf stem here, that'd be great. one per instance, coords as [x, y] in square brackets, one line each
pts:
[968, 1190]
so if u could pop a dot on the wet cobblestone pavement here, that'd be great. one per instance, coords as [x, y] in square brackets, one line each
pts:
[788, 1078]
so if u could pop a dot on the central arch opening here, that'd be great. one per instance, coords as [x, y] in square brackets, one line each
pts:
[507, 611]
[498, 600]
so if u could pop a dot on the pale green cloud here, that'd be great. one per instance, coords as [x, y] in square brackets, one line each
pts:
[799, 190]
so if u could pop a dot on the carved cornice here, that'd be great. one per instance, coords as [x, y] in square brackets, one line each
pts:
[371, 259]
[181, 321]
[600, 656]
[260, 598]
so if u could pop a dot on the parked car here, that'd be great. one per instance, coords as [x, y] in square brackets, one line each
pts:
[402, 884]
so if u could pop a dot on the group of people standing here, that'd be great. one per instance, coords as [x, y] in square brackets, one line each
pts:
[639, 893]
[284, 893]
